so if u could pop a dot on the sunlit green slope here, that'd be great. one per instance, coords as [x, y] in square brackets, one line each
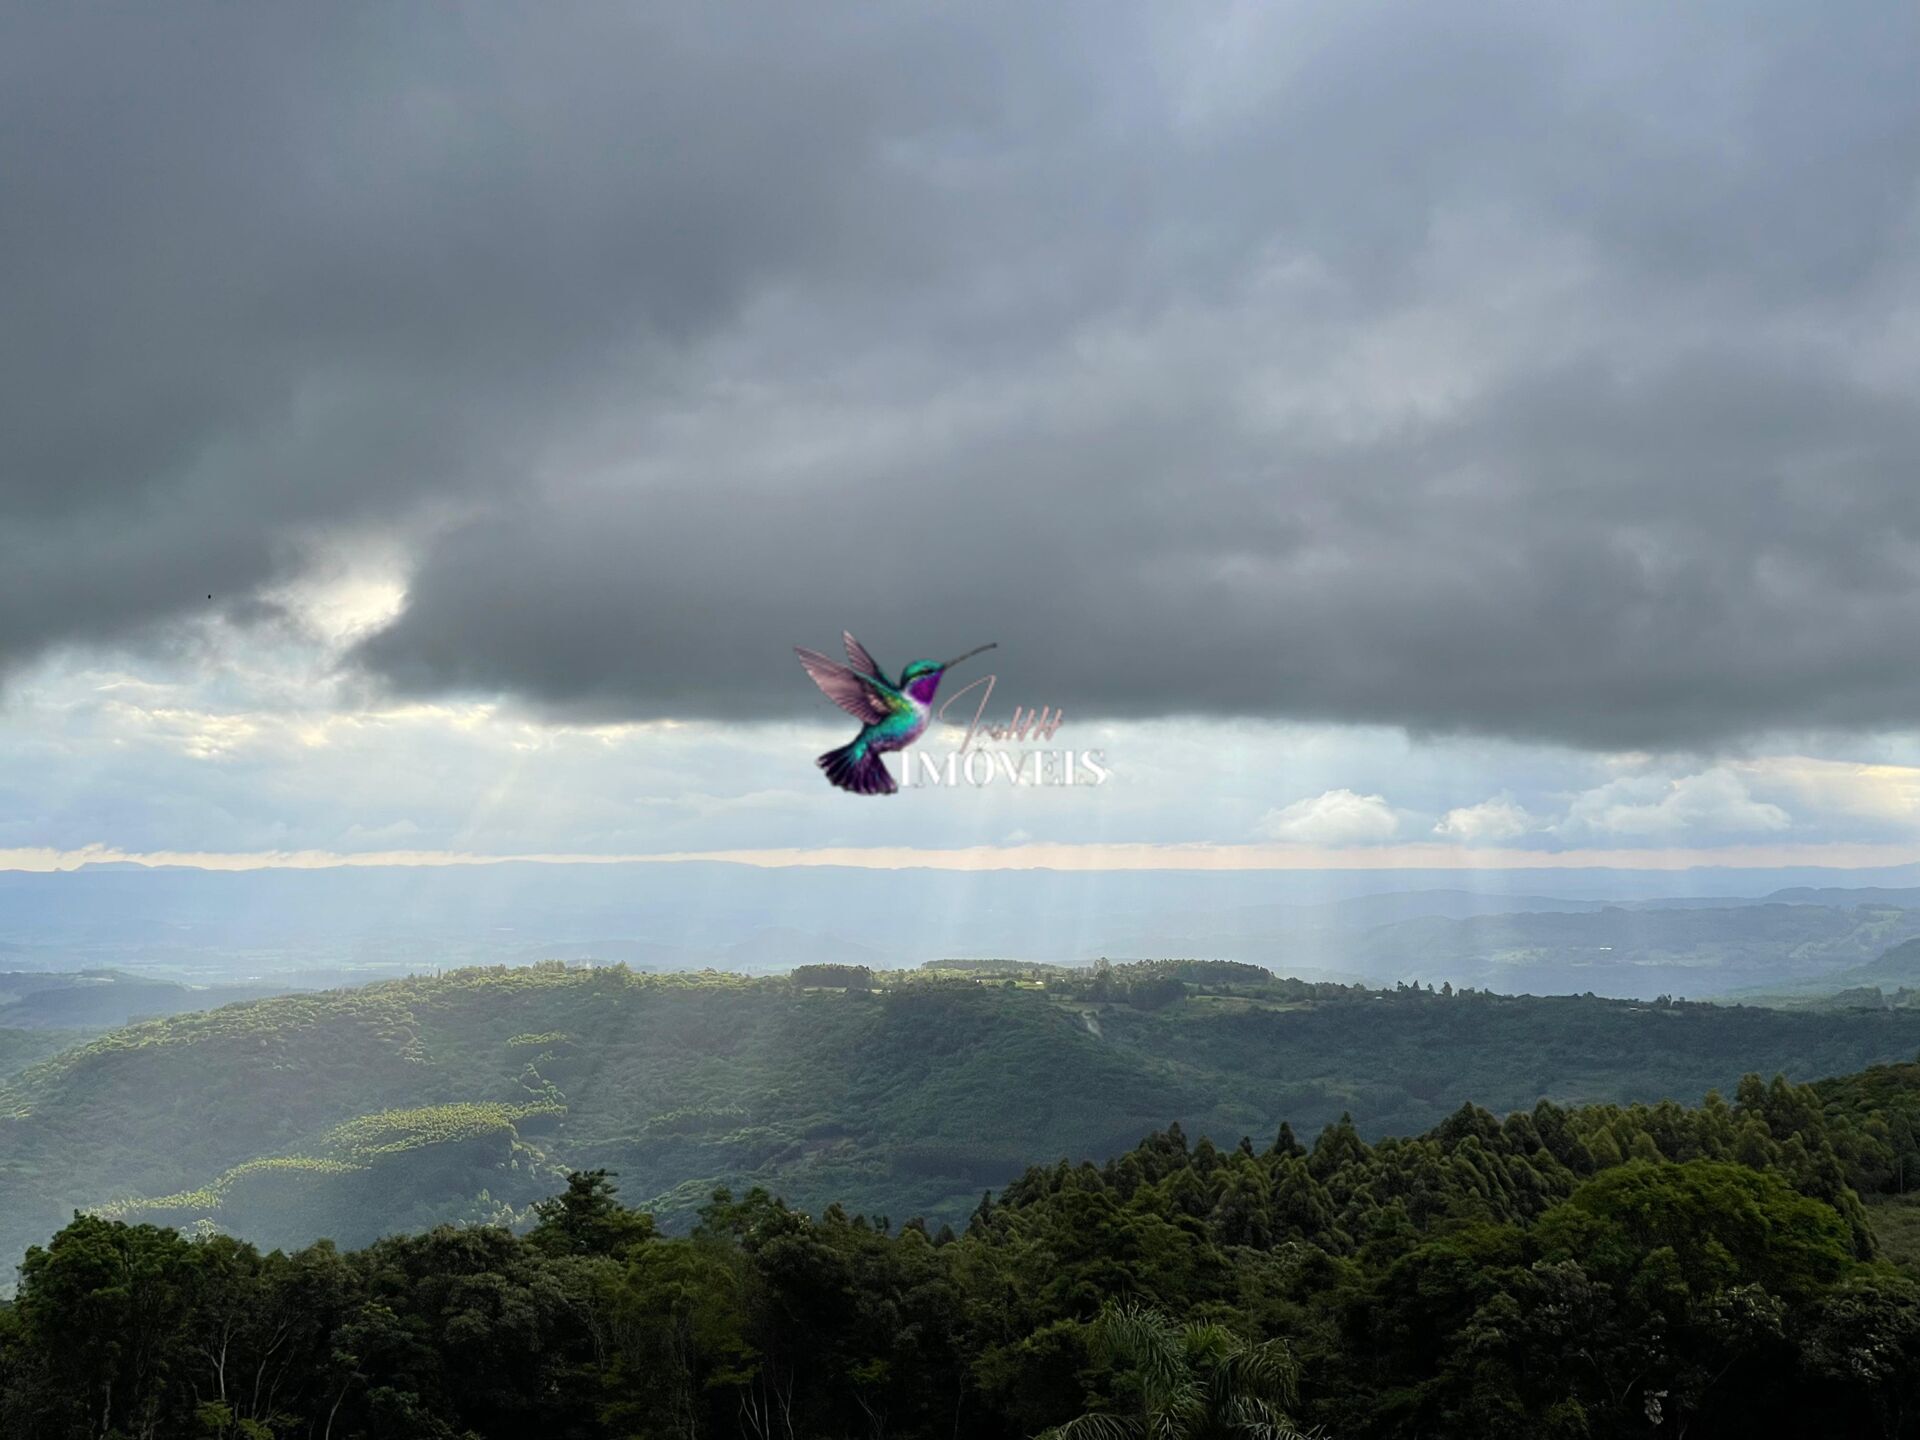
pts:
[353, 1113]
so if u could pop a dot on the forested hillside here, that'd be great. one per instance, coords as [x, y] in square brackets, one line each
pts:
[102, 999]
[352, 1114]
[1704, 949]
[22, 1049]
[1603, 1271]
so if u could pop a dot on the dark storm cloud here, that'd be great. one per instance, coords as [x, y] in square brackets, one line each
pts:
[1515, 372]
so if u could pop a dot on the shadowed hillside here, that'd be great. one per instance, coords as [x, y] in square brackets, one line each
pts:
[352, 1113]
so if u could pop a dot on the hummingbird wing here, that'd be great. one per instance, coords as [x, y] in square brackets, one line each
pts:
[867, 699]
[858, 657]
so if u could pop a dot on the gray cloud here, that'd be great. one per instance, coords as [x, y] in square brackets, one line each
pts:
[1526, 373]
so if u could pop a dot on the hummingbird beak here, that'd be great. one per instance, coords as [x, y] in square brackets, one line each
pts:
[970, 654]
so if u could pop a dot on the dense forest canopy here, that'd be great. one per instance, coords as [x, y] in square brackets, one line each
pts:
[1597, 1271]
[468, 1097]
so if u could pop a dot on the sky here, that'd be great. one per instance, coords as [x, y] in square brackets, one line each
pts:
[1449, 436]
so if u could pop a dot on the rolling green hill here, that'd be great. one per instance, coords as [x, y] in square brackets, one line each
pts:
[353, 1113]
[1899, 967]
[1621, 951]
[21, 1049]
[102, 999]
[1877, 982]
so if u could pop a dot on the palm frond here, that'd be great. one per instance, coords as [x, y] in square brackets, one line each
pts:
[1267, 1371]
[1258, 1420]
[1146, 1341]
[1096, 1427]
[1200, 1379]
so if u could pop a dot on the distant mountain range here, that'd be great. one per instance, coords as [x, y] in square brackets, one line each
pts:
[1631, 934]
[1609, 950]
[103, 999]
[1898, 969]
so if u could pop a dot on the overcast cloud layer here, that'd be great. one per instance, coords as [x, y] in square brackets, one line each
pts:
[1536, 371]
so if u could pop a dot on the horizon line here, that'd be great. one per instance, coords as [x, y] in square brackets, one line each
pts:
[1090, 857]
